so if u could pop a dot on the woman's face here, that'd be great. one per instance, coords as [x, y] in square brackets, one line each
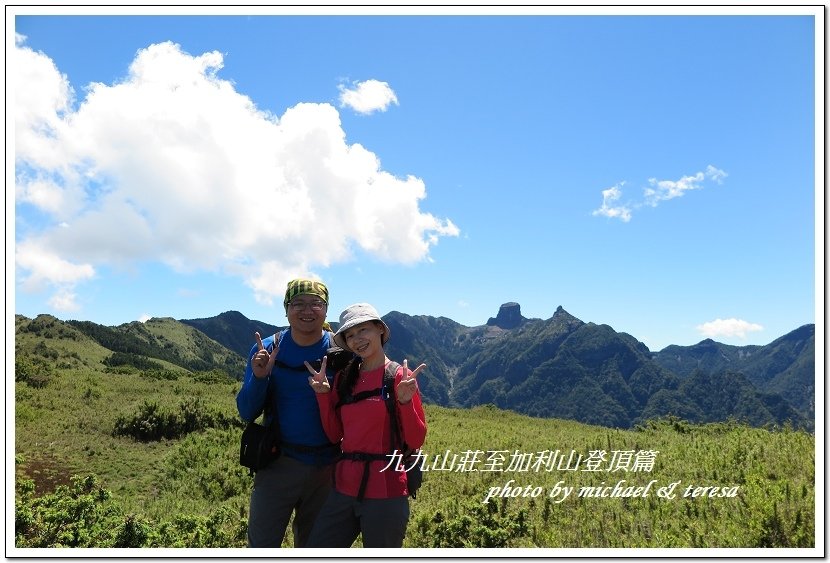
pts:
[365, 339]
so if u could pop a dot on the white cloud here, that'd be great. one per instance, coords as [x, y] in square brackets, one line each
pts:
[44, 267]
[45, 194]
[64, 299]
[143, 318]
[660, 190]
[42, 98]
[728, 328]
[715, 174]
[609, 209]
[368, 96]
[173, 164]
[663, 190]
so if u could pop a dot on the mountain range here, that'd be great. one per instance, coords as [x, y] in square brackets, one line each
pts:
[561, 367]
[565, 368]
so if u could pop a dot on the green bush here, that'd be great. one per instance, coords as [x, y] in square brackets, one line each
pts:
[212, 376]
[206, 466]
[473, 524]
[152, 423]
[34, 372]
[83, 515]
[117, 359]
[73, 516]
[161, 374]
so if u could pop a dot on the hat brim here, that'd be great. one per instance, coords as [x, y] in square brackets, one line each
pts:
[339, 336]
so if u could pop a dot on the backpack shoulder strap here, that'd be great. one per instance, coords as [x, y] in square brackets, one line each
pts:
[280, 335]
[350, 398]
[390, 399]
[268, 407]
[389, 378]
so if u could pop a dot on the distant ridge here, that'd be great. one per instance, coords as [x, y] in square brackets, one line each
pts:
[564, 367]
[561, 367]
[233, 329]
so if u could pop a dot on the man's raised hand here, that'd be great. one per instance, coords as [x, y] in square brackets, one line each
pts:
[262, 363]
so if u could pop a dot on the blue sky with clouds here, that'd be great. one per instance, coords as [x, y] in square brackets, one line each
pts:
[649, 171]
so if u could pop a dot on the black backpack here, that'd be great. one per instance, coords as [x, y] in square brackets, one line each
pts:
[411, 458]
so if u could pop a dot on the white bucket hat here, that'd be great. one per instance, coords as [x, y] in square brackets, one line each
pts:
[353, 316]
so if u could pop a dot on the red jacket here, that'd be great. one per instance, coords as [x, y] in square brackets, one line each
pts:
[364, 426]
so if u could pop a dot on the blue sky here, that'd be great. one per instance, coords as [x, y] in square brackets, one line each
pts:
[652, 172]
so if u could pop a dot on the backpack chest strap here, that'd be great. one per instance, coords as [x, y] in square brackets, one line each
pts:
[349, 399]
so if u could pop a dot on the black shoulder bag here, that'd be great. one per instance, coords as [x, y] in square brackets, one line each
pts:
[261, 444]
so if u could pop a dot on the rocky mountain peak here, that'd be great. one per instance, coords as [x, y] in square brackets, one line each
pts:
[509, 316]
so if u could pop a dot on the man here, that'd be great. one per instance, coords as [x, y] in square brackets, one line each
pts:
[299, 480]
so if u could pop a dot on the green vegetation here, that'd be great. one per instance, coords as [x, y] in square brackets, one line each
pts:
[165, 339]
[123, 457]
[773, 471]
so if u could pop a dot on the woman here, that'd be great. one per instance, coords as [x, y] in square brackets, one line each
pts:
[369, 495]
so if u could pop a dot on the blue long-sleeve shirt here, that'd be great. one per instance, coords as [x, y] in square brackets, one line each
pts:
[293, 398]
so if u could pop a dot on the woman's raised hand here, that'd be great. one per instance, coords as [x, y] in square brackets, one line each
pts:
[318, 380]
[408, 386]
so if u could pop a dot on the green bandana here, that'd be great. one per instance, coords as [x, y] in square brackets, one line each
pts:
[308, 287]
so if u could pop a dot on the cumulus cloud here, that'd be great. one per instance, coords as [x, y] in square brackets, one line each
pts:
[656, 192]
[172, 164]
[44, 267]
[368, 96]
[728, 328]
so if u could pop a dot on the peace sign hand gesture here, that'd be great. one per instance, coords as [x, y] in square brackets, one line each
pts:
[262, 363]
[318, 380]
[408, 386]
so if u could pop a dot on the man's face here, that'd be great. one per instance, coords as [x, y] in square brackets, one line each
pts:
[307, 313]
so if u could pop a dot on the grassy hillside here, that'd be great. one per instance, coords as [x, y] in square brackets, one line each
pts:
[158, 338]
[155, 455]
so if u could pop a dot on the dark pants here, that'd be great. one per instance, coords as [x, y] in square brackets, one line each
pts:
[286, 486]
[382, 522]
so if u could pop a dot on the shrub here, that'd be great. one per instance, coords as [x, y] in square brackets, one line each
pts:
[34, 372]
[117, 359]
[83, 515]
[476, 525]
[152, 423]
[160, 374]
[78, 515]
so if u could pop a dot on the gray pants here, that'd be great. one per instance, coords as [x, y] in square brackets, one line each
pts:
[286, 486]
[382, 522]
